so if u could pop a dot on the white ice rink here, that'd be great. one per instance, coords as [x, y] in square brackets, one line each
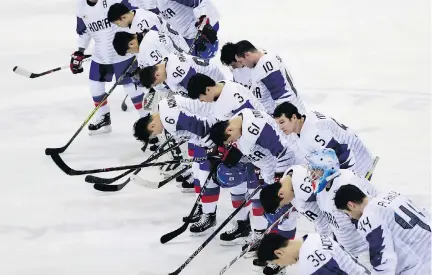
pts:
[366, 63]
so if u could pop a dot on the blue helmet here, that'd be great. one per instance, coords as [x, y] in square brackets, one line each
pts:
[326, 162]
[233, 176]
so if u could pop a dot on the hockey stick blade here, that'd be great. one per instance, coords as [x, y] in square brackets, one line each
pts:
[62, 165]
[96, 179]
[124, 105]
[113, 188]
[51, 151]
[156, 185]
[174, 234]
[23, 72]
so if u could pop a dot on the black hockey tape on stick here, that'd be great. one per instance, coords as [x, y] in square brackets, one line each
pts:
[211, 237]
[25, 73]
[100, 180]
[124, 105]
[50, 151]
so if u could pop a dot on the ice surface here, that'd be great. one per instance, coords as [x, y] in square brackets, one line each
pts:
[365, 63]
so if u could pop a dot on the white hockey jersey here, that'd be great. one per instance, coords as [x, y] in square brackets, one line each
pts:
[264, 144]
[343, 227]
[319, 132]
[181, 117]
[305, 199]
[243, 76]
[92, 23]
[272, 84]
[181, 67]
[183, 14]
[320, 255]
[147, 20]
[154, 47]
[234, 98]
[399, 235]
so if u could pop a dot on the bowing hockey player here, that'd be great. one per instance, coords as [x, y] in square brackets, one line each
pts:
[241, 74]
[397, 230]
[180, 117]
[313, 254]
[317, 131]
[258, 138]
[227, 98]
[92, 23]
[295, 188]
[189, 17]
[139, 20]
[271, 82]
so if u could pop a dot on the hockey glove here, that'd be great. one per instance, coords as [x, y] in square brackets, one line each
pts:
[207, 32]
[230, 156]
[76, 62]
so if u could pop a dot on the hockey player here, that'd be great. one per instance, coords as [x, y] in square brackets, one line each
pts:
[295, 188]
[186, 16]
[241, 74]
[93, 24]
[258, 138]
[139, 20]
[398, 232]
[314, 254]
[180, 116]
[176, 70]
[228, 98]
[271, 82]
[317, 131]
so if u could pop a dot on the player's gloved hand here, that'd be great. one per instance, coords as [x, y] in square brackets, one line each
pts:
[134, 74]
[76, 62]
[207, 31]
[230, 156]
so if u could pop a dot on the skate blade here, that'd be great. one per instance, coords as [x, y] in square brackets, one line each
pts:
[204, 233]
[238, 241]
[103, 130]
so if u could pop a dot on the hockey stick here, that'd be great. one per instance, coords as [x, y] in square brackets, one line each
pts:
[72, 172]
[369, 174]
[25, 73]
[123, 105]
[114, 188]
[206, 242]
[99, 180]
[226, 267]
[157, 185]
[174, 234]
[49, 151]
